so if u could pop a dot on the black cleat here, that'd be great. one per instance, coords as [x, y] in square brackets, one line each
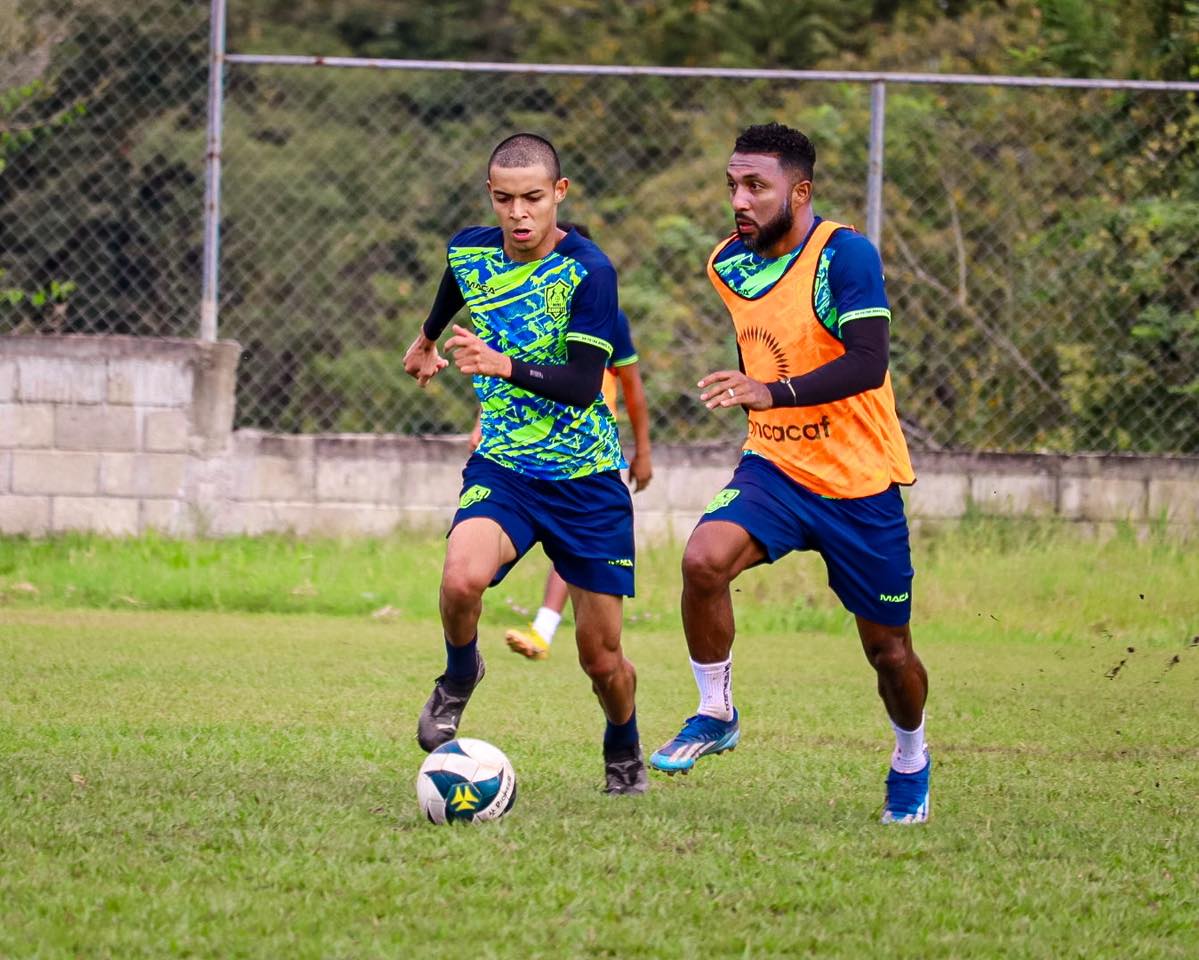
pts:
[439, 720]
[624, 771]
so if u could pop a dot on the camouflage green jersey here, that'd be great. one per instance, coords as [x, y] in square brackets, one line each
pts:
[530, 311]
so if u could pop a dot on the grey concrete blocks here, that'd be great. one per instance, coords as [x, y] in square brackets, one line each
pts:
[29, 516]
[143, 474]
[1103, 498]
[52, 472]
[360, 481]
[100, 427]
[1030, 495]
[8, 379]
[1174, 499]
[61, 380]
[938, 495]
[165, 431]
[112, 516]
[26, 425]
[142, 381]
[273, 468]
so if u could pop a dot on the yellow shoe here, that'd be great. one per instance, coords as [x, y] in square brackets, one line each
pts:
[528, 643]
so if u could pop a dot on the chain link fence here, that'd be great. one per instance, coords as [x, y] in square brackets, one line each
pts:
[102, 130]
[1040, 243]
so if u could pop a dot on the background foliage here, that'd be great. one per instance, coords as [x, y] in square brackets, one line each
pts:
[1040, 245]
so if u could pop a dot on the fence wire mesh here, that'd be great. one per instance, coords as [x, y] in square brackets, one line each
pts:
[102, 117]
[1040, 244]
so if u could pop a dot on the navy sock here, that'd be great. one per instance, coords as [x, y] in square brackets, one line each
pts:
[621, 736]
[462, 663]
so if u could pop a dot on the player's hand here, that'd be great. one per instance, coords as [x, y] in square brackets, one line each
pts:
[473, 356]
[641, 472]
[732, 388]
[422, 361]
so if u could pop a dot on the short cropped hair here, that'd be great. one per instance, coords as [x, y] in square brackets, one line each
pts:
[526, 150]
[794, 150]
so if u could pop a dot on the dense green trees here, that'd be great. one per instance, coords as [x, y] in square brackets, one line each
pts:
[1040, 245]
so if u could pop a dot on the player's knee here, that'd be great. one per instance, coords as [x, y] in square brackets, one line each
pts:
[703, 570]
[460, 588]
[890, 655]
[600, 665]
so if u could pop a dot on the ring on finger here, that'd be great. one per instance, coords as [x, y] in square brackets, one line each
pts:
[731, 393]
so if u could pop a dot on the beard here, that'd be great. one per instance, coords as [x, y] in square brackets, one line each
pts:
[770, 232]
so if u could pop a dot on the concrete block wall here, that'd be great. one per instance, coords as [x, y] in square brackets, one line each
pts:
[121, 435]
[355, 484]
[99, 433]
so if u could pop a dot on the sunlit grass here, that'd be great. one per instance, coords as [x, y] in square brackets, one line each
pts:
[183, 781]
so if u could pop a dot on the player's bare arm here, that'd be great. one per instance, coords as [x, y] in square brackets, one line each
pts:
[641, 468]
[422, 362]
[732, 388]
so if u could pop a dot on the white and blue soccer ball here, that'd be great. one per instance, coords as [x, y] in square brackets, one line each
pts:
[465, 781]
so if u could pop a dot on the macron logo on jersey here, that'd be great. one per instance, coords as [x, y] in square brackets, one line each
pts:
[475, 494]
[723, 499]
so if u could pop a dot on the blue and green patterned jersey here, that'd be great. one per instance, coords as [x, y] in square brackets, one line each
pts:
[530, 311]
[849, 279]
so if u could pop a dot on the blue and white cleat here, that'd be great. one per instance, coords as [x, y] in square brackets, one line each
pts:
[701, 735]
[907, 795]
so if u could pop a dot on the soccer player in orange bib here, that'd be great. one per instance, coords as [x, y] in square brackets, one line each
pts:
[824, 457]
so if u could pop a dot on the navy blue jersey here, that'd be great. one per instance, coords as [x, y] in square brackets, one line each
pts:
[531, 311]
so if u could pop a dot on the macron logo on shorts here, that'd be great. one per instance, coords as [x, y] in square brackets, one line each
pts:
[475, 494]
[892, 597]
[722, 499]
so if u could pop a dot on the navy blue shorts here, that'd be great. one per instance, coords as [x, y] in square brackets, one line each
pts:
[585, 525]
[864, 541]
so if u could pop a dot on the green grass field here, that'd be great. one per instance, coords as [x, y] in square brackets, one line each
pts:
[206, 750]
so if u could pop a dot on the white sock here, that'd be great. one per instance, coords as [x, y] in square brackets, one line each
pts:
[909, 748]
[715, 682]
[546, 623]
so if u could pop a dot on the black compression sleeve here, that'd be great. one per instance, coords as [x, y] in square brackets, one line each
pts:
[575, 383]
[448, 302]
[862, 367]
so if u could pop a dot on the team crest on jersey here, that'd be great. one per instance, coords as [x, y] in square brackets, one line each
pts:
[722, 499]
[557, 299]
[475, 494]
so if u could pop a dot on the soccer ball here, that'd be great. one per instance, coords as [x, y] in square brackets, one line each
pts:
[465, 780]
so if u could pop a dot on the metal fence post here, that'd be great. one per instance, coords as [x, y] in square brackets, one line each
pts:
[874, 171]
[212, 174]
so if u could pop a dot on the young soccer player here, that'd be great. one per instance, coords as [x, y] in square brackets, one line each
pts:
[824, 458]
[535, 640]
[547, 468]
